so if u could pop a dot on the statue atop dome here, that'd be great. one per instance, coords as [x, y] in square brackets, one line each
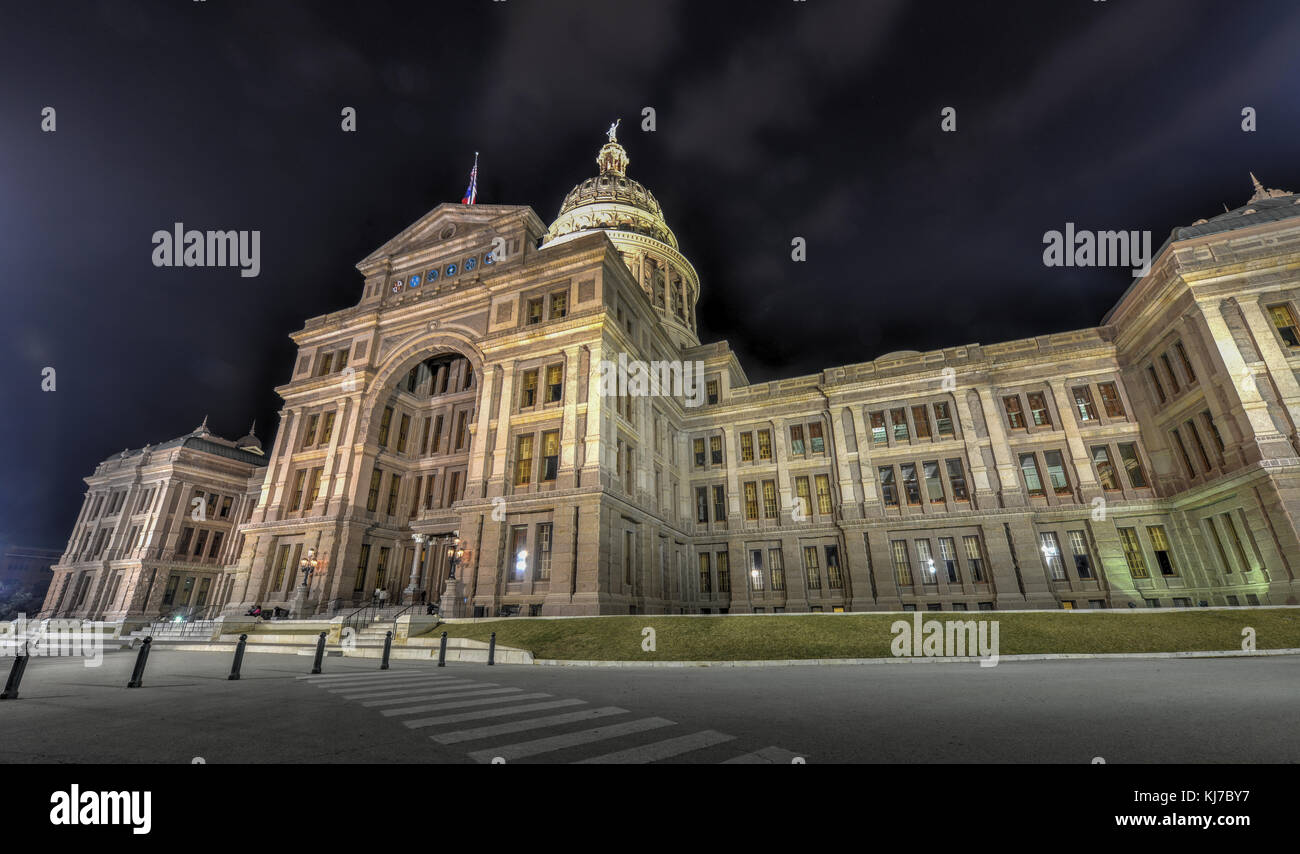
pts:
[612, 133]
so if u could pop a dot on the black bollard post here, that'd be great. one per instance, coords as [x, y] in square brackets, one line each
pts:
[388, 647]
[320, 653]
[239, 657]
[137, 675]
[15, 676]
[442, 651]
[492, 649]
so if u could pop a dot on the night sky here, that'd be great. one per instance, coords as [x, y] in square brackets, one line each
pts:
[776, 119]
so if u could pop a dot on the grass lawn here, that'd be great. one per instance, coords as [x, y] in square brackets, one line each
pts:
[733, 638]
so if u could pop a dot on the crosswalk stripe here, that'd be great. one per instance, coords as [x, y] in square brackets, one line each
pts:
[661, 749]
[480, 714]
[573, 739]
[766, 756]
[408, 697]
[459, 704]
[350, 684]
[408, 688]
[522, 726]
[359, 674]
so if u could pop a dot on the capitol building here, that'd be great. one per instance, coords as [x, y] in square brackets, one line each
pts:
[448, 439]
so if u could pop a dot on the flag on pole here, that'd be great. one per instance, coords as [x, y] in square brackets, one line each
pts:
[471, 194]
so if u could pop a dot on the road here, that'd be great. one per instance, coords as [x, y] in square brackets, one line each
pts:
[1124, 711]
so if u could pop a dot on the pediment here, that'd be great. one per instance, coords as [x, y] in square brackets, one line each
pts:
[448, 223]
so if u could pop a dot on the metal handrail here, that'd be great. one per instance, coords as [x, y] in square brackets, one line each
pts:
[356, 621]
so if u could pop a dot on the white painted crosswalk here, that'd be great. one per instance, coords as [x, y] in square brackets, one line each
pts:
[504, 724]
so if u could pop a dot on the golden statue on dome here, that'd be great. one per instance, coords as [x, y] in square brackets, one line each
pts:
[612, 133]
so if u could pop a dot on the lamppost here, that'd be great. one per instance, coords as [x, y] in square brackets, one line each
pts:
[308, 566]
[450, 603]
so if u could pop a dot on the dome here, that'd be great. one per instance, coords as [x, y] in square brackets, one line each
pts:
[630, 215]
[250, 443]
[611, 200]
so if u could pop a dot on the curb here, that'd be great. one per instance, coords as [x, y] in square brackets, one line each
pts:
[797, 662]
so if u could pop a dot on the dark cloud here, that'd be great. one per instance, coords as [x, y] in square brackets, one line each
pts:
[775, 120]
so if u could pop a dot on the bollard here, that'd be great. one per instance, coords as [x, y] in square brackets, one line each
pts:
[15, 676]
[239, 657]
[388, 647]
[442, 651]
[137, 675]
[320, 653]
[492, 649]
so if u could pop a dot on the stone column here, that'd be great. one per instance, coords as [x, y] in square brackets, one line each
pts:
[413, 587]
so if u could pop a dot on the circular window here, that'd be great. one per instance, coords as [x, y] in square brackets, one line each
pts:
[431, 276]
[470, 264]
[447, 232]
[397, 285]
[451, 270]
[414, 281]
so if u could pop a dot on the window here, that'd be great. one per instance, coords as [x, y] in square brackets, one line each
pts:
[1182, 450]
[834, 578]
[385, 423]
[1155, 382]
[1132, 465]
[910, 485]
[1110, 400]
[699, 453]
[372, 499]
[812, 572]
[888, 489]
[554, 383]
[1213, 430]
[363, 563]
[899, 419]
[711, 392]
[533, 312]
[706, 577]
[756, 580]
[701, 504]
[1187, 363]
[518, 554]
[528, 389]
[957, 479]
[715, 450]
[776, 564]
[765, 444]
[309, 435]
[796, 439]
[1038, 408]
[394, 482]
[769, 499]
[559, 305]
[460, 429]
[1056, 472]
[1105, 469]
[879, 435]
[948, 554]
[326, 363]
[804, 495]
[1218, 544]
[550, 455]
[921, 420]
[1137, 565]
[925, 560]
[1169, 369]
[436, 433]
[1083, 403]
[453, 487]
[200, 543]
[751, 500]
[327, 427]
[1051, 548]
[1200, 446]
[943, 419]
[1029, 468]
[933, 482]
[815, 441]
[1284, 319]
[723, 560]
[182, 545]
[298, 478]
[823, 484]
[747, 447]
[902, 564]
[544, 551]
[1079, 548]
[313, 488]
[403, 432]
[1160, 545]
[1233, 538]
[1015, 417]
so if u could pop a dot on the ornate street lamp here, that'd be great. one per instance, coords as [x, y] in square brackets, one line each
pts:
[308, 566]
[455, 554]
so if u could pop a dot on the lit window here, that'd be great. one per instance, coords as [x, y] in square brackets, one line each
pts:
[765, 444]
[550, 454]
[533, 312]
[943, 419]
[957, 478]
[899, 419]
[524, 460]
[554, 385]
[1056, 472]
[1029, 468]
[804, 494]
[879, 435]
[1015, 416]
[1284, 319]
[747, 447]
[1105, 468]
[796, 440]
[921, 419]
[1038, 408]
[911, 487]
[559, 305]
[1110, 400]
[1083, 403]
[751, 500]
[823, 484]
[815, 442]
[933, 482]
[1160, 545]
[1079, 548]
[888, 489]
[528, 389]
[1137, 565]
[1051, 549]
